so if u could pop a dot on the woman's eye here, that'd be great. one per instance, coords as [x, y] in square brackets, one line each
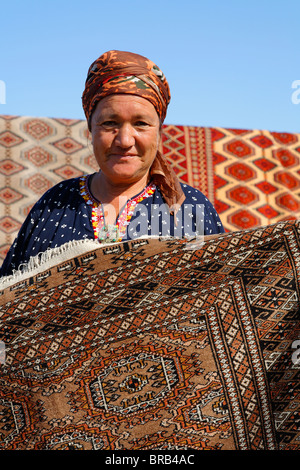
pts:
[141, 123]
[109, 123]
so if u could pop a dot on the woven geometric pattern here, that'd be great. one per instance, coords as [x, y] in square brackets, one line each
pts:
[35, 154]
[256, 177]
[154, 344]
[251, 177]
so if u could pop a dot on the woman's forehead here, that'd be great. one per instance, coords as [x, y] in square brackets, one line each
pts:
[125, 105]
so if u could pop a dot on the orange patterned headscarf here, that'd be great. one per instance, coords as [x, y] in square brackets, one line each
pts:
[125, 72]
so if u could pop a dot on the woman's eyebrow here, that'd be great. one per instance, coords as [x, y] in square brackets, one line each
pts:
[107, 114]
[113, 115]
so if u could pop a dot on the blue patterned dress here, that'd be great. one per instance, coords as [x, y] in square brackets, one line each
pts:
[69, 212]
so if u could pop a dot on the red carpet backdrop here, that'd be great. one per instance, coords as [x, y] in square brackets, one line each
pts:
[251, 176]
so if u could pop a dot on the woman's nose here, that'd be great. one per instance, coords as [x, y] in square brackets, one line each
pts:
[125, 136]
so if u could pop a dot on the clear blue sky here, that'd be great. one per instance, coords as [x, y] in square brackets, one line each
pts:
[229, 63]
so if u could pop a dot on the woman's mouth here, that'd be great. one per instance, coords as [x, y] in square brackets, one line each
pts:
[123, 155]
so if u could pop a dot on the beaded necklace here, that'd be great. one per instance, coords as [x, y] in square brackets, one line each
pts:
[103, 232]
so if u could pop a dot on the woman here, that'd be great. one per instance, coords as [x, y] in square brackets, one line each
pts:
[135, 193]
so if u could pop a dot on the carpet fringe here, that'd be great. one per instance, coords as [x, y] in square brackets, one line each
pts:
[48, 259]
[52, 256]
[69, 250]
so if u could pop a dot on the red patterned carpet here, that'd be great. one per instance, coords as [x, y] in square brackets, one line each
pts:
[154, 344]
[251, 176]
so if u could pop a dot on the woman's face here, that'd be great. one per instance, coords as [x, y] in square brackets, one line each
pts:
[125, 136]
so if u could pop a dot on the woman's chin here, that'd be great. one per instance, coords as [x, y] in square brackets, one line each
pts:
[126, 172]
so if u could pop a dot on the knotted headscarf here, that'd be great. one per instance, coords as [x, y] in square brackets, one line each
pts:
[125, 72]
